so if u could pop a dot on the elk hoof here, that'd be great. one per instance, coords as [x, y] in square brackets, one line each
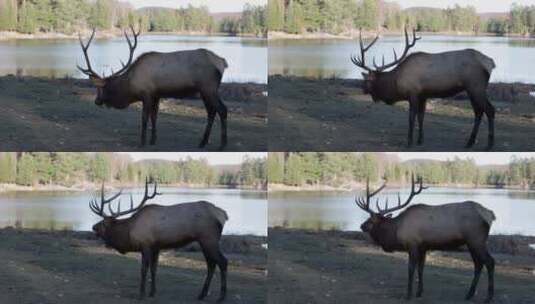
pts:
[153, 141]
[221, 299]
[469, 145]
[202, 144]
[469, 296]
[201, 296]
[489, 148]
[488, 300]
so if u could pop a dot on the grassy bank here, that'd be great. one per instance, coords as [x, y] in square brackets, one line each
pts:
[343, 267]
[74, 267]
[41, 114]
[317, 111]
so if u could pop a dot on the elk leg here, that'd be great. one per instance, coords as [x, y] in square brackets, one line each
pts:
[210, 266]
[222, 263]
[153, 118]
[477, 272]
[144, 118]
[211, 117]
[222, 111]
[145, 259]
[413, 260]
[475, 100]
[421, 114]
[412, 116]
[421, 264]
[153, 268]
[489, 264]
[490, 112]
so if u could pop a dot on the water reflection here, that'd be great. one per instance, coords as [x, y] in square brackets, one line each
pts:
[514, 209]
[247, 57]
[514, 57]
[247, 210]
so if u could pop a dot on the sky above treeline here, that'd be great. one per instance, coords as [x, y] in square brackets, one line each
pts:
[482, 6]
[215, 6]
[223, 158]
[481, 158]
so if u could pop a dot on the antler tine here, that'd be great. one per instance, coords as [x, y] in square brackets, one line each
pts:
[131, 46]
[85, 47]
[411, 195]
[408, 46]
[364, 204]
[361, 62]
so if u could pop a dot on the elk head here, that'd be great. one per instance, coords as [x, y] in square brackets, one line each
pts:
[384, 214]
[105, 228]
[110, 90]
[370, 78]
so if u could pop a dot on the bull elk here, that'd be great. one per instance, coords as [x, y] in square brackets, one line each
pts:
[419, 76]
[156, 75]
[153, 228]
[421, 228]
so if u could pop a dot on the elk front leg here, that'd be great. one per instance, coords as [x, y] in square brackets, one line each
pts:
[153, 268]
[413, 108]
[421, 113]
[144, 117]
[153, 118]
[413, 261]
[145, 259]
[421, 264]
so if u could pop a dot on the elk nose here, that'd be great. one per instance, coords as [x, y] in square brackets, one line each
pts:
[98, 102]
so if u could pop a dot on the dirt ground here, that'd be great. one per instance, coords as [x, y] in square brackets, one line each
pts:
[334, 115]
[344, 267]
[40, 114]
[73, 267]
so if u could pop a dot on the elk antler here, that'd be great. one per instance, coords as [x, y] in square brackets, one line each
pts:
[364, 203]
[146, 197]
[98, 208]
[89, 70]
[360, 62]
[132, 48]
[387, 210]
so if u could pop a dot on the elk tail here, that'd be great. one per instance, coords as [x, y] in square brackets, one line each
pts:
[487, 215]
[487, 62]
[220, 215]
[220, 63]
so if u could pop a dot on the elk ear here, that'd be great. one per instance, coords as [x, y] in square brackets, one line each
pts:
[365, 75]
[98, 82]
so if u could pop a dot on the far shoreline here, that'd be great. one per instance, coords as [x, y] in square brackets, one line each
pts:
[7, 188]
[281, 188]
[10, 35]
[277, 35]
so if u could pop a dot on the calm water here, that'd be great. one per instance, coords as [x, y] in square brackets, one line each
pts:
[514, 57]
[514, 210]
[247, 57]
[247, 210]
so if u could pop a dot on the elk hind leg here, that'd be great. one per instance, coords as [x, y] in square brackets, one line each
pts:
[210, 250]
[211, 112]
[222, 112]
[490, 112]
[478, 265]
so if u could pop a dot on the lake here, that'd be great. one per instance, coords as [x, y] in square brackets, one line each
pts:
[514, 210]
[247, 57]
[247, 210]
[514, 57]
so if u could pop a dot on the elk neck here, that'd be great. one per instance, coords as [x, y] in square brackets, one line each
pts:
[385, 87]
[385, 234]
[119, 236]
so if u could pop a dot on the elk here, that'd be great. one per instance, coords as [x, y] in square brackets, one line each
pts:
[153, 228]
[421, 228]
[156, 75]
[419, 76]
